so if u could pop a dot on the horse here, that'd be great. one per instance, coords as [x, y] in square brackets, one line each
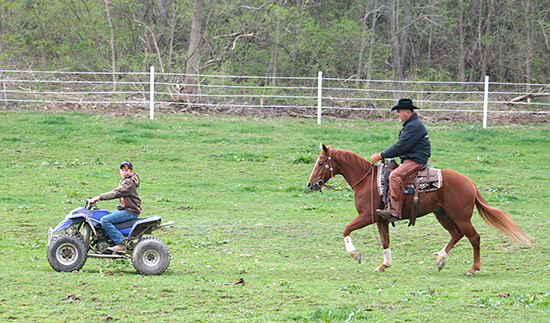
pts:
[452, 204]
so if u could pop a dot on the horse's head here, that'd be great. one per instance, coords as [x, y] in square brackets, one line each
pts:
[323, 170]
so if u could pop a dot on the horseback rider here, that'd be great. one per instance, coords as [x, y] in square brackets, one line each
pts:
[413, 147]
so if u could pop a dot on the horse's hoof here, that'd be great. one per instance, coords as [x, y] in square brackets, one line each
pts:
[469, 273]
[379, 269]
[440, 265]
[357, 256]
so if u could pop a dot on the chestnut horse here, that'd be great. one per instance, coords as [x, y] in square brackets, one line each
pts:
[452, 204]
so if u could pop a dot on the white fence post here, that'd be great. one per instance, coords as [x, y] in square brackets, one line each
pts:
[485, 102]
[4, 90]
[319, 96]
[152, 93]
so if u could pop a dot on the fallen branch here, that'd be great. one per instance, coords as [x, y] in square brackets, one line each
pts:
[529, 96]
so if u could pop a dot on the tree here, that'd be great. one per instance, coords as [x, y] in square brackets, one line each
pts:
[530, 31]
[461, 39]
[276, 44]
[192, 65]
[113, 64]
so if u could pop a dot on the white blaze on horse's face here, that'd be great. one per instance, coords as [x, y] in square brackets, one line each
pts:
[315, 182]
[317, 178]
[313, 170]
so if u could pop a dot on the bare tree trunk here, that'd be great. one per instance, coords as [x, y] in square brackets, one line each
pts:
[430, 38]
[192, 65]
[395, 46]
[113, 66]
[172, 32]
[530, 28]
[163, 21]
[363, 42]
[275, 48]
[299, 7]
[404, 43]
[375, 15]
[462, 53]
[482, 31]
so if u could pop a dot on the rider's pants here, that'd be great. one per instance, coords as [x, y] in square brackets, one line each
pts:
[398, 178]
[108, 223]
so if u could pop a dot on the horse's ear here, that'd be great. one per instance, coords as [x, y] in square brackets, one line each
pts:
[325, 149]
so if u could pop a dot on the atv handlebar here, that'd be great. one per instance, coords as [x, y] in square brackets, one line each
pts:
[89, 205]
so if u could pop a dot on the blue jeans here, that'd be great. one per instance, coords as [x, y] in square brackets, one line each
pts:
[108, 223]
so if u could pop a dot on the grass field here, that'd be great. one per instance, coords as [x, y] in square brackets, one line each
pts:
[235, 188]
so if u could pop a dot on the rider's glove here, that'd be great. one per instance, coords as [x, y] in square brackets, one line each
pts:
[376, 157]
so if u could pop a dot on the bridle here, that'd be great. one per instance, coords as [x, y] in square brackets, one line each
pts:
[328, 167]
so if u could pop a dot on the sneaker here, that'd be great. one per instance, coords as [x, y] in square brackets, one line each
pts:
[119, 248]
[386, 215]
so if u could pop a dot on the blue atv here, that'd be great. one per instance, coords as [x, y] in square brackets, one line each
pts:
[81, 236]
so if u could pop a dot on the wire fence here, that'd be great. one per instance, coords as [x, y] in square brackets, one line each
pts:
[295, 96]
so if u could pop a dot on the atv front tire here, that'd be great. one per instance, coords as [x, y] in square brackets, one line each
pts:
[151, 256]
[67, 252]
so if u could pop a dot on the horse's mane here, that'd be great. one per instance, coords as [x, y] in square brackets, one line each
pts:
[348, 157]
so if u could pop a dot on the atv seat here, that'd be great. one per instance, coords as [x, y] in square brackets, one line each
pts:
[131, 223]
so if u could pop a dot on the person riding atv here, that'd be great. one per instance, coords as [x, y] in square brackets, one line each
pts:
[129, 206]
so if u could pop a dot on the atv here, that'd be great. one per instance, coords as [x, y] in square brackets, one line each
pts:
[80, 236]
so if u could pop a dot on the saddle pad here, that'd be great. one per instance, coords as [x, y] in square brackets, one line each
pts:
[430, 179]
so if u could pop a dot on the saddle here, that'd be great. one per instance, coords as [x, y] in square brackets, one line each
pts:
[427, 180]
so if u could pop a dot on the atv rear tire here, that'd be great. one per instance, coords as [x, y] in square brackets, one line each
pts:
[67, 252]
[151, 256]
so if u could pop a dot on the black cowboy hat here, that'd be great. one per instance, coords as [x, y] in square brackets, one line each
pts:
[126, 164]
[404, 104]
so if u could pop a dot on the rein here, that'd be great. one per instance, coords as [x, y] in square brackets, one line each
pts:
[373, 187]
[362, 178]
[337, 187]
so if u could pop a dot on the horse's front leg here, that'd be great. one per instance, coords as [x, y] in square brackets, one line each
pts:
[384, 230]
[351, 249]
[359, 222]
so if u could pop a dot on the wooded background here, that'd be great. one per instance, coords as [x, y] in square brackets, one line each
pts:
[460, 40]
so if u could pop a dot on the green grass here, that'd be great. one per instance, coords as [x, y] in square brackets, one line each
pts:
[235, 188]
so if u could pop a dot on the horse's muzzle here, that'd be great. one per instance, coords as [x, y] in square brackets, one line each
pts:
[316, 186]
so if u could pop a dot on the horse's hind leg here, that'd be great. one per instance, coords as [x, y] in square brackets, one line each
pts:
[461, 216]
[453, 229]
[474, 238]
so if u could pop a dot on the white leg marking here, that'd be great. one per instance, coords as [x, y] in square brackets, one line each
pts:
[441, 258]
[387, 257]
[442, 254]
[349, 245]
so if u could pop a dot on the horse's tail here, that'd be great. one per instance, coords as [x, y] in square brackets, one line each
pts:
[500, 220]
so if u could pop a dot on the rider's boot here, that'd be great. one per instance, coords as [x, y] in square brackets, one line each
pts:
[119, 248]
[386, 215]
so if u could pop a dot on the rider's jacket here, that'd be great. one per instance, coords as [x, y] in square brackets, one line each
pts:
[413, 143]
[127, 193]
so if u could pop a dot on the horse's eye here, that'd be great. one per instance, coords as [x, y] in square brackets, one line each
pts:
[320, 164]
